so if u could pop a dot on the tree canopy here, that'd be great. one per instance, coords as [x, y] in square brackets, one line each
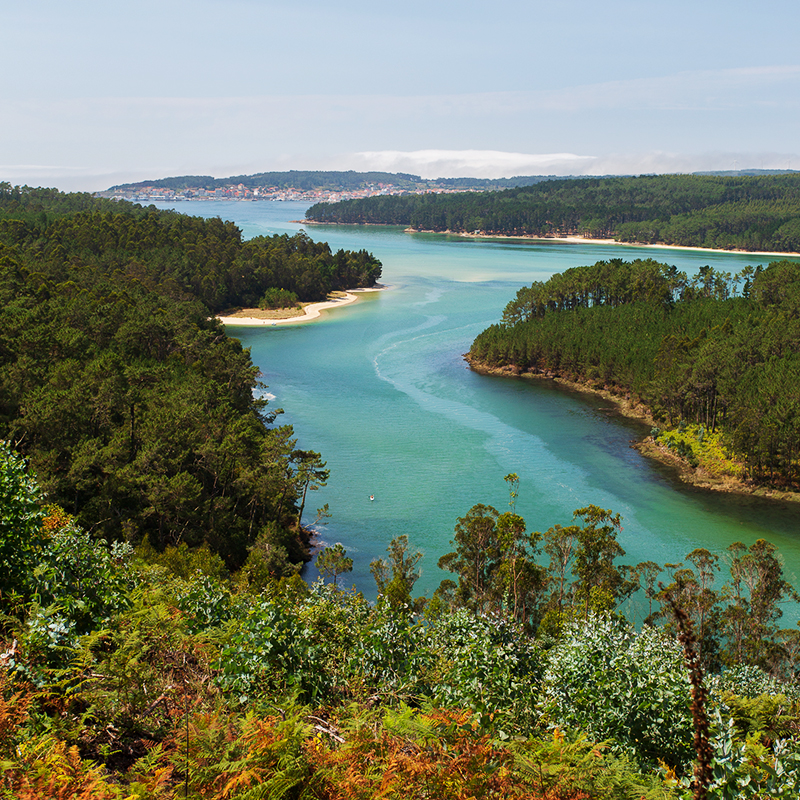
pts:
[137, 412]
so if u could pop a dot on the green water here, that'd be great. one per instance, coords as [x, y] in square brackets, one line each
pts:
[380, 389]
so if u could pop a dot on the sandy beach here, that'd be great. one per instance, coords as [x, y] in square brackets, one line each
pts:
[257, 317]
[583, 240]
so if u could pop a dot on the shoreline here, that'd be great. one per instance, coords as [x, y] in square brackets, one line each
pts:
[584, 240]
[648, 447]
[310, 312]
[529, 237]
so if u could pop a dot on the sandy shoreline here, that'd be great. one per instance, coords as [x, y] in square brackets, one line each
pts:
[583, 240]
[566, 239]
[310, 312]
[578, 240]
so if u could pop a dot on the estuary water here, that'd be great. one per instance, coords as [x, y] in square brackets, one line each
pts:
[381, 390]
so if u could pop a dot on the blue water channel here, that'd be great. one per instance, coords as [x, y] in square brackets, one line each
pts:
[381, 390]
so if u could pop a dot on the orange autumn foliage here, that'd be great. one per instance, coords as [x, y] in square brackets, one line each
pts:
[458, 764]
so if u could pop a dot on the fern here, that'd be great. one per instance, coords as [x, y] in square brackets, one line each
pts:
[47, 768]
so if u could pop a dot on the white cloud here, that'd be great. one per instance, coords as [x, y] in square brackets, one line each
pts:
[498, 164]
[470, 163]
[658, 162]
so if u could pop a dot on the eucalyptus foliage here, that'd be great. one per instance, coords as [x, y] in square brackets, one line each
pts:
[623, 686]
[489, 665]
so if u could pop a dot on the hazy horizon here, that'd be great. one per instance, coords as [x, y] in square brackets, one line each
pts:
[108, 94]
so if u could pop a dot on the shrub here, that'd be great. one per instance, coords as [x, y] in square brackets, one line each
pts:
[390, 655]
[88, 579]
[747, 680]
[629, 688]
[21, 517]
[270, 652]
[185, 561]
[488, 665]
[78, 584]
[205, 602]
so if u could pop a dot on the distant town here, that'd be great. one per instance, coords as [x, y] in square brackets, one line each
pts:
[154, 193]
[311, 186]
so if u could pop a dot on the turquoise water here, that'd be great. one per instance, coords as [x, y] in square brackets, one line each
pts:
[381, 390]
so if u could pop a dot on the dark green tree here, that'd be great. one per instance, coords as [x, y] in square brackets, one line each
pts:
[692, 590]
[560, 543]
[600, 584]
[521, 580]
[758, 587]
[333, 561]
[311, 474]
[476, 559]
[395, 577]
[645, 574]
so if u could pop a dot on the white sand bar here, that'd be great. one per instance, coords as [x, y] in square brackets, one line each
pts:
[311, 311]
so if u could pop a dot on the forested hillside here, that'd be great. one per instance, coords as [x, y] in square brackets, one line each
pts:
[136, 410]
[744, 212]
[719, 353]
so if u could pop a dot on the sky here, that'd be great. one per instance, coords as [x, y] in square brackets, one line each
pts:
[99, 92]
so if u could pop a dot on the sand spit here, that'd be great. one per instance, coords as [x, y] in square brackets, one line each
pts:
[282, 316]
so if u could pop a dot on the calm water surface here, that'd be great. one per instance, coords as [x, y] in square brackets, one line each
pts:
[381, 390]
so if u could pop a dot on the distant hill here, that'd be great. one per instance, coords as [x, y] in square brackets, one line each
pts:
[350, 180]
[739, 172]
[310, 180]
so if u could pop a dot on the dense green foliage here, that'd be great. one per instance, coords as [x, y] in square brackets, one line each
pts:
[278, 298]
[719, 351]
[20, 518]
[745, 212]
[545, 581]
[75, 238]
[164, 671]
[616, 684]
[135, 409]
[126, 679]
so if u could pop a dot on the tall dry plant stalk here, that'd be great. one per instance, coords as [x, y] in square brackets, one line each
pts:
[702, 745]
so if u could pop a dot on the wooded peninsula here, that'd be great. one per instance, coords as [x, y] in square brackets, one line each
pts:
[135, 410]
[715, 358]
[756, 213]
